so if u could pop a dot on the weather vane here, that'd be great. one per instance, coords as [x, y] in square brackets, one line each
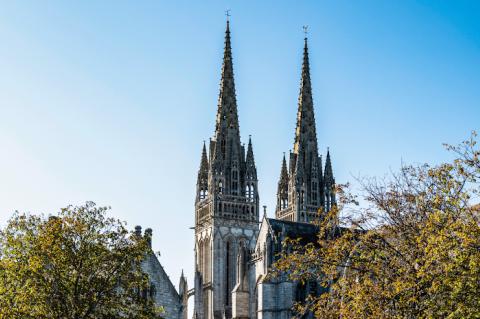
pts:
[305, 30]
[227, 13]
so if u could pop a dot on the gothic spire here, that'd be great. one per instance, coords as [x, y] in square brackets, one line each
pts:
[282, 190]
[203, 171]
[227, 116]
[251, 169]
[202, 180]
[284, 171]
[329, 184]
[328, 174]
[305, 130]
[250, 158]
[305, 184]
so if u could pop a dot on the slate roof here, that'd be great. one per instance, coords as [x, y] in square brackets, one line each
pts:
[307, 232]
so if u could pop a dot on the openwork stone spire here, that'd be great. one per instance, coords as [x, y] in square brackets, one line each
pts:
[202, 179]
[231, 169]
[231, 203]
[328, 169]
[203, 172]
[329, 184]
[282, 190]
[250, 161]
[228, 152]
[227, 116]
[305, 132]
[306, 192]
[284, 172]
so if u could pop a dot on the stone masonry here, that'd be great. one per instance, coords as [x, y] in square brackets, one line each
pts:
[234, 249]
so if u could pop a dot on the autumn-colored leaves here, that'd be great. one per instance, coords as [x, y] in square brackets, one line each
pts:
[411, 251]
[76, 264]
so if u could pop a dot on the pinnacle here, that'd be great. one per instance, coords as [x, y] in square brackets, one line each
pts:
[203, 162]
[250, 160]
[328, 167]
[284, 172]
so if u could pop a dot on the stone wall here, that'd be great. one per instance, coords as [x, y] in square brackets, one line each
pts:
[165, 293]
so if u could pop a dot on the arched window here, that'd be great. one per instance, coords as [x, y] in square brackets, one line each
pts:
[234, 182]
[203, 193]
[228, 272]
[206, 261]
[220, 187]
[201, 256]
[250, 192]
[327, 199]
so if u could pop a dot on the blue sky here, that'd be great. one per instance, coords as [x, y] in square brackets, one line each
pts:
[110, 100]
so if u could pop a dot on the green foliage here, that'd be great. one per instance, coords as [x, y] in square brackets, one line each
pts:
[412, 252]
[79, 264]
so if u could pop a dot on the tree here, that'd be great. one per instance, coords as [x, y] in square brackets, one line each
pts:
[413, 251]
[78, 264]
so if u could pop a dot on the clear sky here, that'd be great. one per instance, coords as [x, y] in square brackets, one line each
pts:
[110, 100]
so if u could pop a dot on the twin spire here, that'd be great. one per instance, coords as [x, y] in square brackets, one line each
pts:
[231, 170]
[303, 190]
[305, 129]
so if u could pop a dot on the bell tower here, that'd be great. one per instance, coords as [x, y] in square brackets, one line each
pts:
[304, 187]
[226, 204]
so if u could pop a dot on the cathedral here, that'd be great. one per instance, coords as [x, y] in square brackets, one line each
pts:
[234, 247]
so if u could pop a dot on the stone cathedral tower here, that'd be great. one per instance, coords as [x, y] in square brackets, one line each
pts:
[304, 188]
[226, 207]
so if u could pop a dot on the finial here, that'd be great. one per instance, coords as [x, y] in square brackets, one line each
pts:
[264, 210]
[305, 30]
[227, 13]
